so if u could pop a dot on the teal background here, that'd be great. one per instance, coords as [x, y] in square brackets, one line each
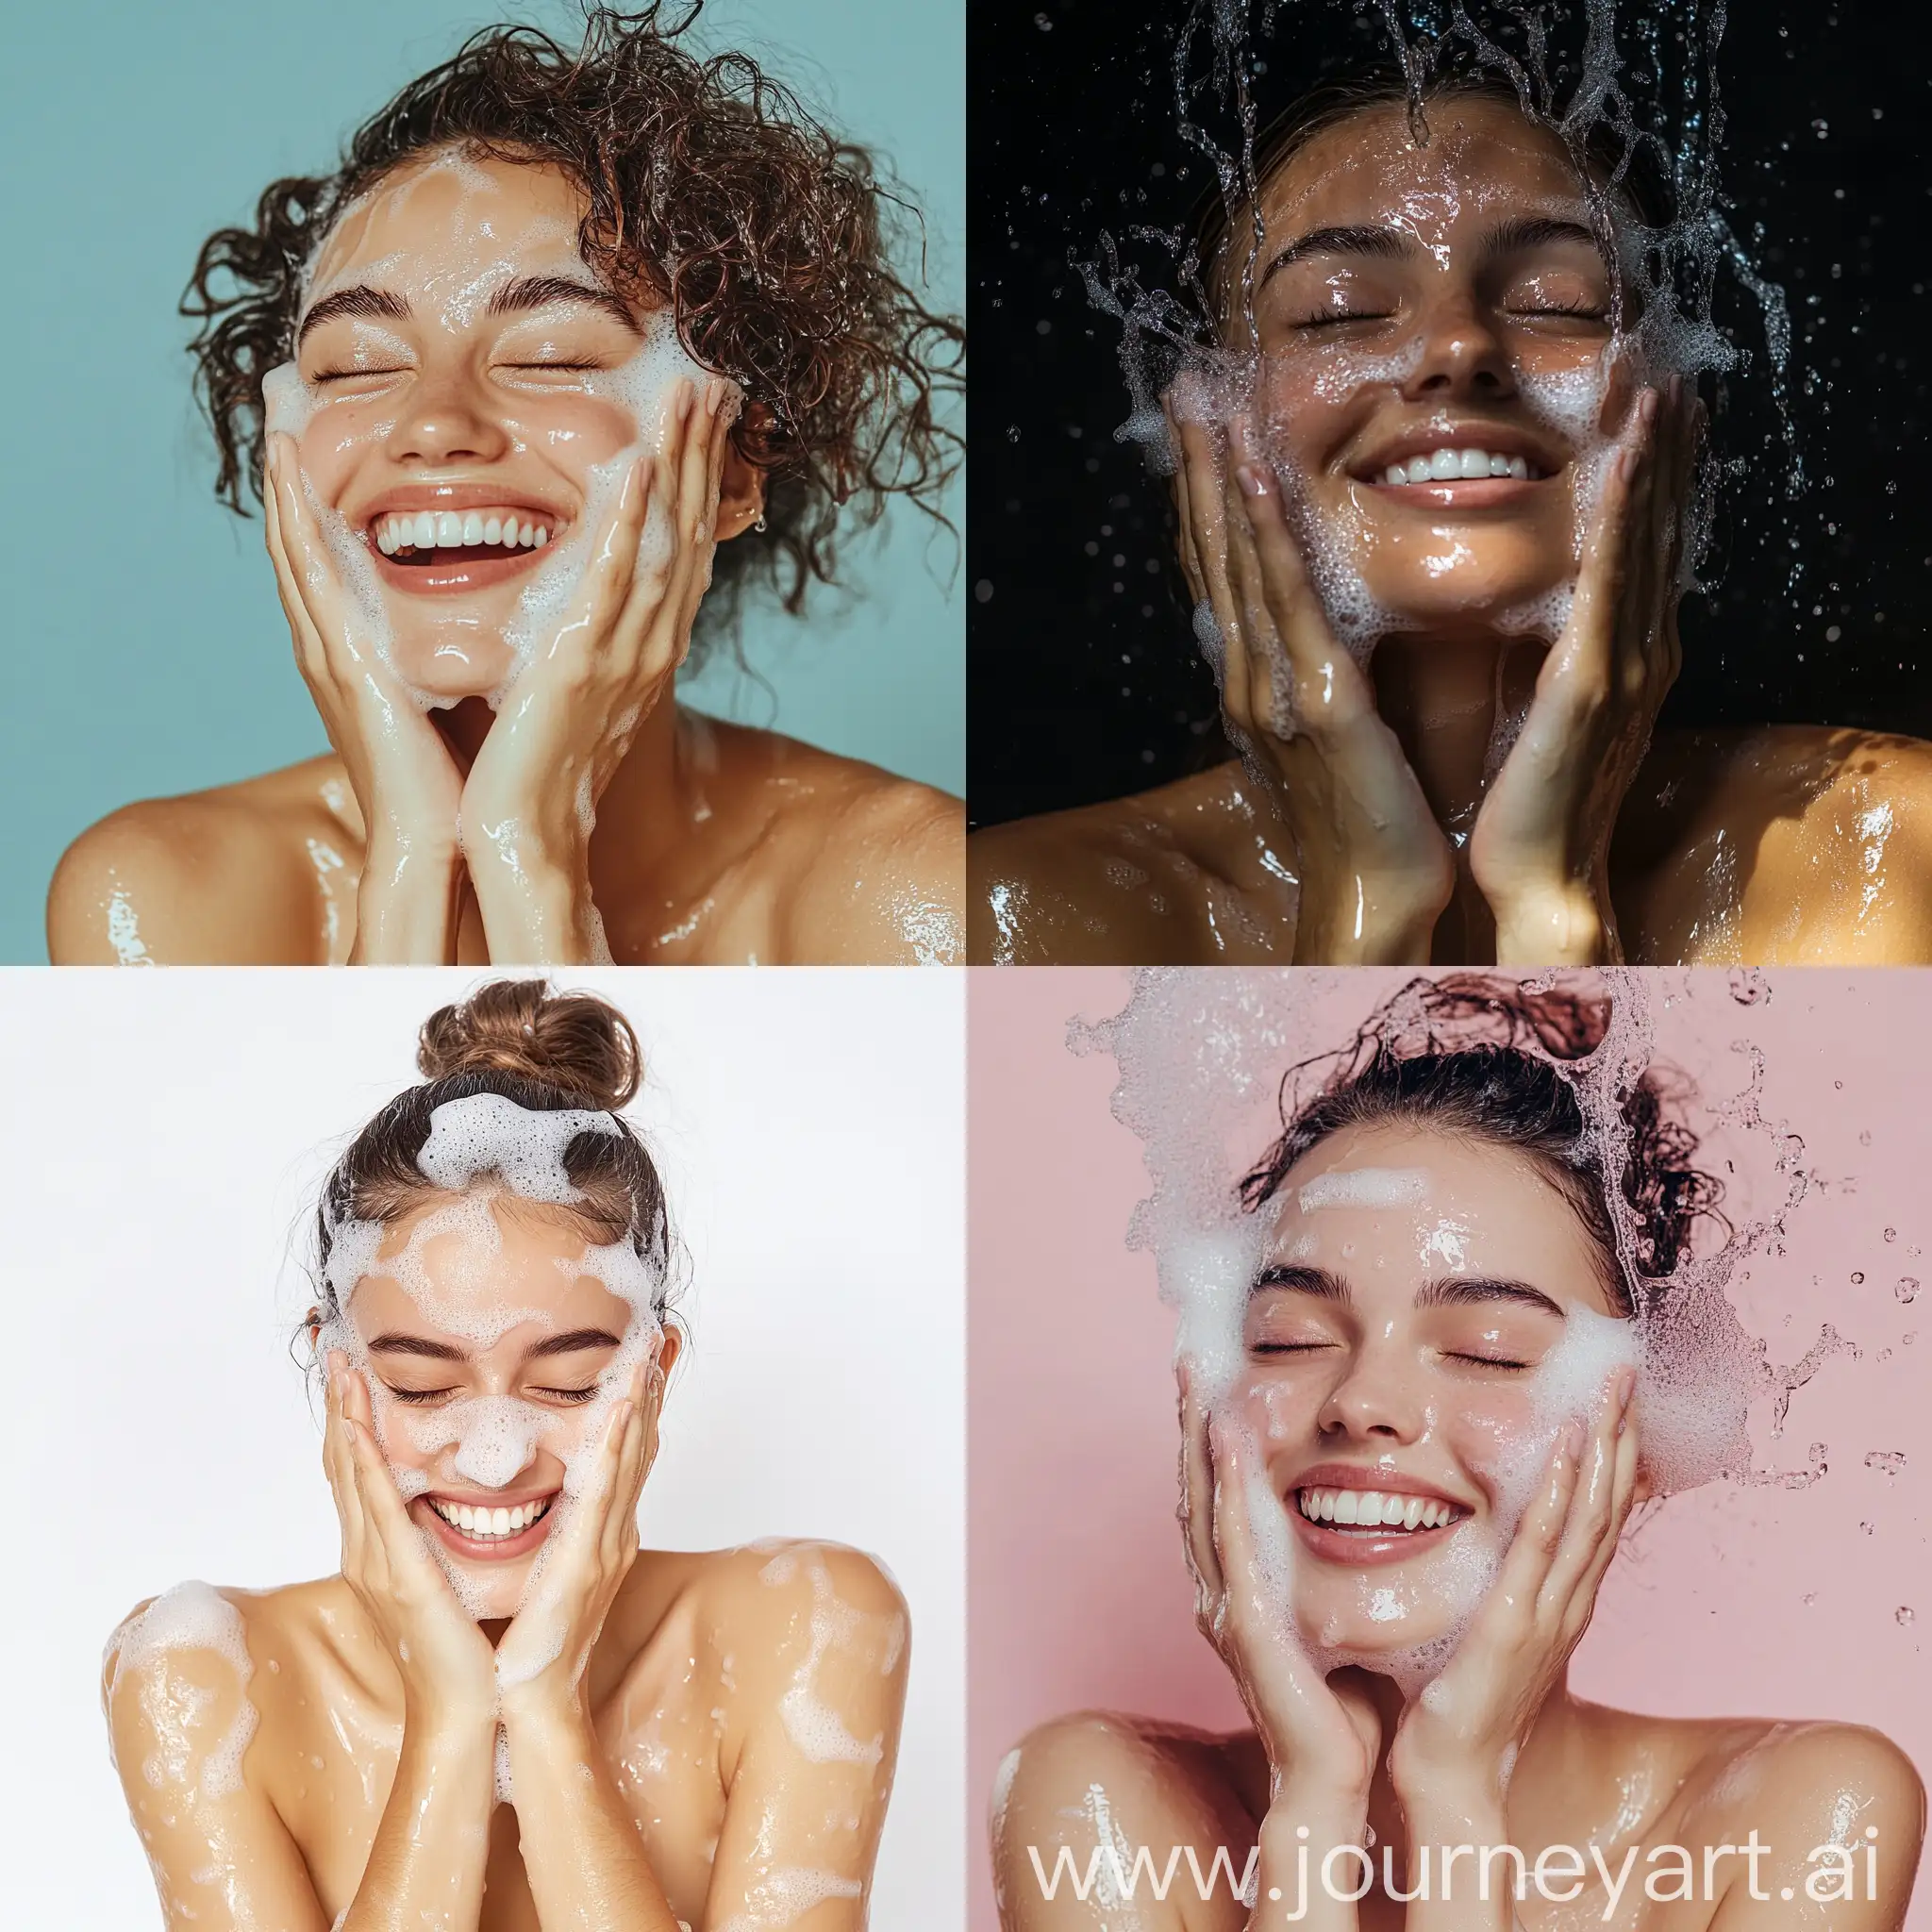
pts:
[144, 650]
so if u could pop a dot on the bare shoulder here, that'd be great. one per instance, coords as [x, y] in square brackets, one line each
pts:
[232, 876]
[1176, 876]
[871, 867]
[1799, 1776]
[175, 1680]
[771, 1591]
[1095, 1784]
[1785, 844]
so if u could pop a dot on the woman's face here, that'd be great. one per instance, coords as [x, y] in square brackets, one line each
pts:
[1441, 310]
[485, 1354]
[466, 371]
[1401, 1372]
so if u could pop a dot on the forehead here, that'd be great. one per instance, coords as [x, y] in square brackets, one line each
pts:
[1484, 161]
[1408, 1204]
[453, 215]
[477, 1263]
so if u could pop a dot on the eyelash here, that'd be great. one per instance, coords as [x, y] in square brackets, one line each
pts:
[1486, 1361]
[419, 1396]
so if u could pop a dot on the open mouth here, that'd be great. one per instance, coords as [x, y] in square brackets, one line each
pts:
[1463, 468]
[1375, 1512]
[467, 549]
[487, 1530]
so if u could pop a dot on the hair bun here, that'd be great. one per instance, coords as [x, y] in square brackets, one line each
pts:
[574, 1041]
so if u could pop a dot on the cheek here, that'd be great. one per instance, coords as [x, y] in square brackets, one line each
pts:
[575, 432]
[1499, 1435]
[338, 437]
[1280, 1409]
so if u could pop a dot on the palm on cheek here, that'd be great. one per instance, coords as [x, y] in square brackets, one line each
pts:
[544, 1651]
[443, 1657]
[572, 714]
[1456, 1742]
[1540, 844]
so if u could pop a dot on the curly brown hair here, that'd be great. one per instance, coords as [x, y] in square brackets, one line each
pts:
[710, 187]
[1475, 1054]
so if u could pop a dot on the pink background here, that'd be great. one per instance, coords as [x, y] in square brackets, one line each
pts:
[1730, 1600]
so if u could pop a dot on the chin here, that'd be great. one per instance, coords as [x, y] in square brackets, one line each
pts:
[446, 676]
[1484, 604]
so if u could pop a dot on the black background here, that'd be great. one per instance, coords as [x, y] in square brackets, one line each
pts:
[1083, 681]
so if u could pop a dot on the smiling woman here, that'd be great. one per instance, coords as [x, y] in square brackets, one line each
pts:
[1439, 1342]
[1440, 483]
[500, 1710]
[576, 346]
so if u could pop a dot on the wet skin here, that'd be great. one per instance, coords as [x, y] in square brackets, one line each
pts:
[666, 1787]
[1379, 829]
[713, 843]
[1375, 1344]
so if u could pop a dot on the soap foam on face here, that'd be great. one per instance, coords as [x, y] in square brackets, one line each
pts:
[458, 288]
[1201, 1055]
[491, 1149]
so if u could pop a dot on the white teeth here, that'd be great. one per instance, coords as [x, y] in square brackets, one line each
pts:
[486, 1524]
[448, 531]
[1375, 1508]
[1456, 465]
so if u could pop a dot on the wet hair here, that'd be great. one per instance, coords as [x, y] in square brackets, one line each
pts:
[1622, 169]
[546, 1052]
[1477, 1055]
[710, 187]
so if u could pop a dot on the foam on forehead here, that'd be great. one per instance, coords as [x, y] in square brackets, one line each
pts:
[489, 1133]
[1203, 1055]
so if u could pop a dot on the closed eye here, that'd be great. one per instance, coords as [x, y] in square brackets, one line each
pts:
[419, 1395]
[353, 374]
[1487, 1361]
[567, 1394]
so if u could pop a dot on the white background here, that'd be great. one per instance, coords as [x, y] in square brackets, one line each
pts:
[162, 1139]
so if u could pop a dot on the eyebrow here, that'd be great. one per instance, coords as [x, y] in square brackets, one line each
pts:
[358, 299]
[1449, 1292]
[513, 298]
[1511, 237]
[540, 291]
[1460, 1290]
[569, 1343]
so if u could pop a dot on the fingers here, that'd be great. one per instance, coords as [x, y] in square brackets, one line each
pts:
[389, 1517]
[1197, 1498]
[620, 1520]
[1540, 1535]
[335, 1463]
[1590, 1543]
[1328, 684]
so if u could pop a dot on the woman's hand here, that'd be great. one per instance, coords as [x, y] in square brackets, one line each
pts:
[1456, 1744]
[573, 712]
[1376, 869]
[541, 1659]
[443, 1657]
[1321, 1743]
[406, 784]
[1540, 852]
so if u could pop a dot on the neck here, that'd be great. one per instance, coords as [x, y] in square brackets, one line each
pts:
[649, 812]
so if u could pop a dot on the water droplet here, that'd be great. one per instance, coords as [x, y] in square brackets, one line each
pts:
[1891, 1461]
[1819, 1451]
[1858, 1277]
[1812, 1598]
[1892, 1234]
[1868, 1528]
[1907, 1287]
[1903, 1613]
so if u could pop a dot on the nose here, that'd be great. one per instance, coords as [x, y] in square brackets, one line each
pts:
[1464, 358]
[1376, 1400]
[448, 420]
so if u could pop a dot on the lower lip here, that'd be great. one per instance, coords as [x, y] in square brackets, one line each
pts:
[504, 1549]
[1355, 1548]
[1468, 493]
[459, 575]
